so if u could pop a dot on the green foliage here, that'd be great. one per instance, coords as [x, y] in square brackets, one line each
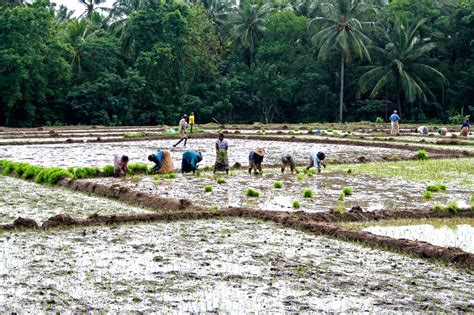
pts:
[299, 176]
[84, 172]
[340, 210]
[296, 204]
[347, 191]
[277, 184]
[251, 192]
[308, 193]
[311, 171]
[208, 188]
[437, 187]
[427, 195]
[379, 120]
[221, 181]
[137, 168]
[108, 170]
[451, 207]
[341, 196]
[133, 135]
[422, 155]
[52, 175]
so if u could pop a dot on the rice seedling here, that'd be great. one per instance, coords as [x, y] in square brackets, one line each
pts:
[296, 204]
[208, 188]
[347, 191]
[436, 187]
[108, 170]
[422, 155]
[251, 192]
[311, 171]
[137, 168]
[132, 135]
[341, 197]
[83, 172]
[427, 195]
[221, 181]
[308, 193]
[215, 208]
[299, 176]
[277, 184]
[329, 130]
[452, 206]
[340, 210]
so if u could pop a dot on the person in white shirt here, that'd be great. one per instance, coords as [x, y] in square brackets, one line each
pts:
[183, 124]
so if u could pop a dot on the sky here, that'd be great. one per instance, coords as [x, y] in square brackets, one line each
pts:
[76, 6]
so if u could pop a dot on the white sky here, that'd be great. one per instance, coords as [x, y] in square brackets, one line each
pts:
[76, 6]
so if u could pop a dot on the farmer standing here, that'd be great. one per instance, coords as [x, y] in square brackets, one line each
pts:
[163, 162]
[190, 161]
[191, 121]
[287, 160]
[120, 165]
[182, 130]
[255, 160]
[465, 128]
[316, 160]
[395, 119]
[222, 158]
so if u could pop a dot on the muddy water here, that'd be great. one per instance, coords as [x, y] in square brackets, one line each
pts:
[26, 199]
[461, 236]
[370, 193]
[216, 266]
[100, 154]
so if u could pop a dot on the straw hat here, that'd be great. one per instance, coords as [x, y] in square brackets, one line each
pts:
[260, 151]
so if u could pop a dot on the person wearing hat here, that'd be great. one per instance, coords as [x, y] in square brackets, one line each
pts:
[316, 160]
[222, 159]
[163, 162]
[182, 130]
[395, 121]
[190, 161]
[287, 160]
[255, 160]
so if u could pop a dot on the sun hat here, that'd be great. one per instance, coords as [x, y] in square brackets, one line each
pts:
[260, 151]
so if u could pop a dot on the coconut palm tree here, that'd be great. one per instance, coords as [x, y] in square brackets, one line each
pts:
[92, 6]
[11, 3]
[247, 26]
[340, 29]
[403, 65]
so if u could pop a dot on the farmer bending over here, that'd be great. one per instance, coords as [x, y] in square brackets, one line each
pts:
[190, 161]
[287, 160]
[422, 130]
[316, 160]
[163, 162]
[222, 159]
[255, 160]
[465, 128]
[182, 130]
[120, 165]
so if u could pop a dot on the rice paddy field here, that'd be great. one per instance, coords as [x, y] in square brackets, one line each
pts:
[382, 229]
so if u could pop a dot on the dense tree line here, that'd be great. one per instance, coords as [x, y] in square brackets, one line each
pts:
[148, 61]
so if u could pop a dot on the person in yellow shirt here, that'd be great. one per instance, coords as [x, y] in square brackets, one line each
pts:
[191, 121]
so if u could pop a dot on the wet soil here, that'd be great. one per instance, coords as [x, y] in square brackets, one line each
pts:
[461, 236]
[19, 198]
[370, 193]
[100, 154]
[217, 266]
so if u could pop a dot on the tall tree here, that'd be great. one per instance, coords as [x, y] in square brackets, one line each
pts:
[92, 6]
[404, 65]
[341, 30]
[248, 27]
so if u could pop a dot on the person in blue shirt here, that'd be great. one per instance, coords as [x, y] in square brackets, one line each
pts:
[255, 160]
[395, 120]
[465, 128]
[163, 162]
[190, 161]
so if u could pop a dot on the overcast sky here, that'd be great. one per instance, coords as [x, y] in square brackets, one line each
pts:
[76, 6]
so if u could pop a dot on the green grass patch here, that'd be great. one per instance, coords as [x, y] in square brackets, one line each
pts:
[341, 196]
[451, 206]
[208, 188]
[422, 155]
[308, 193]
[137, 168]
[277, 185]
[84, 172]
[251, 192]
[221, 181]
[133, 135]
[347, 191]
[427, 195]
[296, 204]
[299, 176]
[436, 187]
[108, 170]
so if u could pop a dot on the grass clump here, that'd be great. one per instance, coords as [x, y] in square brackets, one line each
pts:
[308, 193]
[137, 168]
[83, 172]
[422, 155]
[347, 191]
[221, 181]
[452, 207]
[436, 187]
[52, 175]
[31, 172]
[296, 204]
[299, 176]
[311, 171]
[277, 184]
[132, 135]
[251, 192]
[340, 210]
[427, 195]
[341, 196]
[208, 188]
[108, 170]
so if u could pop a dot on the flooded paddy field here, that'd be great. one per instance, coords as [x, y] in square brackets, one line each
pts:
[452, 232]
[368, 192]
[217, 266]
[100, 154]
[19, 198]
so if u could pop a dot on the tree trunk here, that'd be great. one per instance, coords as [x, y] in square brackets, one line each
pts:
[341, 92]
[399, 104]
